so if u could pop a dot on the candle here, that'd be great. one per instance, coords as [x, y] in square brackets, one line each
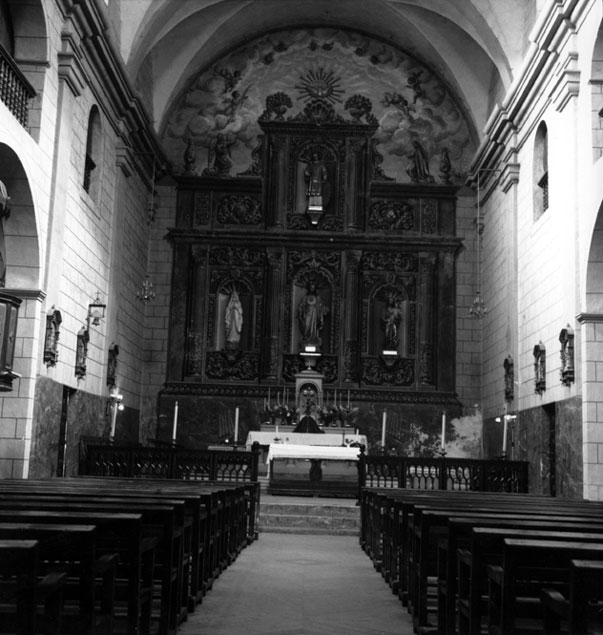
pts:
[443, 429]
[356, 432]
[348, 398]
[113, 419]
[236, 432]
[276, 430]
[506, 420]
[268, 397]
[175, 424]
[383, 425]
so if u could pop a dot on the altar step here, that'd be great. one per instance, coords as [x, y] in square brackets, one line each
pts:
[317, 516]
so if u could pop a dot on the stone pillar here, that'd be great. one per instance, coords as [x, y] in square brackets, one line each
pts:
[426, 331]
[446, 323]
[351, 317]
[195, 331]
[273, 332]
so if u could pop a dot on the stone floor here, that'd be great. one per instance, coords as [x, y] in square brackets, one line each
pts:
[288, 584]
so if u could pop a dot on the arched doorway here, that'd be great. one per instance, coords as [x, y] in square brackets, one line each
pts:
[20, 250]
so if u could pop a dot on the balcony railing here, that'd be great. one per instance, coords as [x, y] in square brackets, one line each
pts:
[15, 90]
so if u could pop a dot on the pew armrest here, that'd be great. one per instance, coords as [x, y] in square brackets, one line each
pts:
[554, 601]
[106, 563]
[51, 583]
[464, 556]
[495, 574]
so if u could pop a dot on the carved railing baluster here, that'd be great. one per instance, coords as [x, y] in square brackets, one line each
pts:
[15, 90]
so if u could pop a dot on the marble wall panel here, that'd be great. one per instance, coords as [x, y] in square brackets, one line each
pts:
[87, 415]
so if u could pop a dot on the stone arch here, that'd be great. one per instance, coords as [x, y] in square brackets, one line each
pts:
[596, 83]
[21, 252]
[591, 360]
[30, 51]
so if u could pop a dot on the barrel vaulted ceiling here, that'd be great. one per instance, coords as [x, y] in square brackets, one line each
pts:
[473, 47]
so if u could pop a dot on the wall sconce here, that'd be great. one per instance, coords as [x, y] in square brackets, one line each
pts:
[4, 201]
[96, 311]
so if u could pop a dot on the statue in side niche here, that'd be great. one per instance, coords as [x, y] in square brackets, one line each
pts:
[311, 313]
[233, 320]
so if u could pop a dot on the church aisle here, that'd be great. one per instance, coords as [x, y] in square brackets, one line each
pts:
[288, 584]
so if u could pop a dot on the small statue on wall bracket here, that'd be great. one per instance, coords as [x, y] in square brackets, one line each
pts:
[509, 379]
[566, 337]
[233, 320]
[539, 368]
[51, 341]
[81, 355]
[112, 365]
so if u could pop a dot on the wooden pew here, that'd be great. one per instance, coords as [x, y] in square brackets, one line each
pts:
[486, 549]
[116, 533]
[219, 537]
[527, 567]
[71, 549]
[459, 537]
[23, 590]
[580, 608]
[415, 566]
[162, 520]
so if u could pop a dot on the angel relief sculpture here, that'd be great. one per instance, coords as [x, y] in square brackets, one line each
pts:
[220, 161]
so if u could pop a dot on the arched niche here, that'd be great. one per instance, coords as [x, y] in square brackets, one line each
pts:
[30, 50]
[312, 292]
[388, 320]
[234, 312]
[19, 245]
[306, 160]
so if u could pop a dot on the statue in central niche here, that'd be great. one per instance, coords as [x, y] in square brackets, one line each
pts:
[311, 313]
[316, 179]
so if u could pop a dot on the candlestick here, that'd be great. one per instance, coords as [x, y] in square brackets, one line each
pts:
[175, 424]
[383, 425]
[236, 431]
[113, 419]
[443, 441]
[504, 447]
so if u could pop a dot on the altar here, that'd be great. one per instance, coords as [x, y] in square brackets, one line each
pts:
[313, 470]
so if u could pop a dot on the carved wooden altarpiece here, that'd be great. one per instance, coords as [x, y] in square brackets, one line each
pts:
[376, 257]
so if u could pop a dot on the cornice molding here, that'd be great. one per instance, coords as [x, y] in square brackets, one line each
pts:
[108, 77]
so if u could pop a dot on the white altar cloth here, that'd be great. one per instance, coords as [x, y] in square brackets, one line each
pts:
[292, 451]
[300, 438]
